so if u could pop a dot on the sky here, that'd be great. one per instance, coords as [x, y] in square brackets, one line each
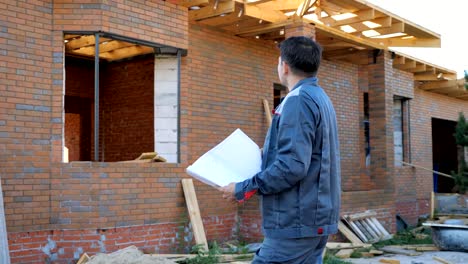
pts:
[449, 18]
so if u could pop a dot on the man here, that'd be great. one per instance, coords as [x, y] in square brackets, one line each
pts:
[299, 184]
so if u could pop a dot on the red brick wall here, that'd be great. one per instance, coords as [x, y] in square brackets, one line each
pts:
[73, 135]
[127, 109]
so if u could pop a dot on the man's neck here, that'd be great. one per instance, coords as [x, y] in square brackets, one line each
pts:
[293, 80]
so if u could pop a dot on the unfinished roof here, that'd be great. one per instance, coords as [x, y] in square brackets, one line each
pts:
[344, 28]
[353, 21]
[430, 77]
[111, 47]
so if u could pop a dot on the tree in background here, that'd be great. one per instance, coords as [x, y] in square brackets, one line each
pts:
[461, 138]
[466, 79]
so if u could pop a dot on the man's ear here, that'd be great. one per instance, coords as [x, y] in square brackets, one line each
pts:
[285, 67]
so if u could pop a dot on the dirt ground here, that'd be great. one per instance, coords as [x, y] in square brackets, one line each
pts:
[425, 258]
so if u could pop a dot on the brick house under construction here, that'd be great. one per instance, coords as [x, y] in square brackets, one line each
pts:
[177, 77]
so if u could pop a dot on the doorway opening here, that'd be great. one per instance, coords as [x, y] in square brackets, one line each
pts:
[444, 153]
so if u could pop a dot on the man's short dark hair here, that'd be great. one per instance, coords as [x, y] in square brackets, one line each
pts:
[302, 54]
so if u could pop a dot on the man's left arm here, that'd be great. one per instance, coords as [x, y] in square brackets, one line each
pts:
[296, 135]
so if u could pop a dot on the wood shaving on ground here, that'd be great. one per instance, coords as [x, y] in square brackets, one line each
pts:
[130, 255]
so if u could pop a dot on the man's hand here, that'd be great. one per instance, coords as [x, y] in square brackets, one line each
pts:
[228, 192]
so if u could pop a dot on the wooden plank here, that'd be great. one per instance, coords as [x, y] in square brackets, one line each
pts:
[348, 233]
[359, 216]
[359, 233]
[344, 253]
[214, 9]
[304, 7]
[266, 107]
[338, 34]
[273, 16]
[385, 22]
[396, 250]
[362, 15]
[377, 234]
[408, 65]
[194, 213]
[441, 84]
[189, 3]
[441, 260]
[389, 261]
[432, 205]
[4, 252]
[83, 259]
[419, 68]
[376, 252]
[361, 228]
[412, 42]
[427, 248]
[106, 47]
[261, 29]
[380, 227]
[127, 52]
[363, 225]
[338, 245]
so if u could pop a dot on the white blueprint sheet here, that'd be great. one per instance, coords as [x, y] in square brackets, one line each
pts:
[235, 159]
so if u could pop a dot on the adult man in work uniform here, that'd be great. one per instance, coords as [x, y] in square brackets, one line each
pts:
[299, 183]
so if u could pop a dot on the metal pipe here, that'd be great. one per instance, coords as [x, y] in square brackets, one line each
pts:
[96, 97]
[179, 58]
[433, 171]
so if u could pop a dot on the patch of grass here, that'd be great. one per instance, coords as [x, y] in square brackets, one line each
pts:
[330, 259]
[357, 253]
[406, 238]
[203, 257]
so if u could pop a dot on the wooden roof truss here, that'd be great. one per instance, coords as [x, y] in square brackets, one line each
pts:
[109, 49]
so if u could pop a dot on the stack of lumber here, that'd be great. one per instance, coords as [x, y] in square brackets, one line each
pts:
[363, 228]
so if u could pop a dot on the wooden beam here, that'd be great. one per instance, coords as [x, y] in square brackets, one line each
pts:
[126, 52]
[385, 22]
[261, 29]
[105, 47]
[243, 24]
[427, 77]
[362, 15]
[257, 2]
[304, 7]
[408, 65]
[438, 84]
[411, 42]
[336, 33]
[418, 68]
[194, 213]
[394, 28]
[214, 9]
[82, 41]
[189, 3]
[266, 108]
[333, 8]
[273, 16]
[222, 21]
[400, 60]
[281, 5]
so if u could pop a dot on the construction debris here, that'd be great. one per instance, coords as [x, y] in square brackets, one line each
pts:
[147, 157]
[390, 261]
[401, 251]
[366, 226]
[441, 260]
[344, 253]
[129, 255]
[336, 245]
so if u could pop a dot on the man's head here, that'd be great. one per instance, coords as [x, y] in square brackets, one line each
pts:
[300, 57]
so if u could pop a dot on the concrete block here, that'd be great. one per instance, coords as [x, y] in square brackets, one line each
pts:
[165, 123]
